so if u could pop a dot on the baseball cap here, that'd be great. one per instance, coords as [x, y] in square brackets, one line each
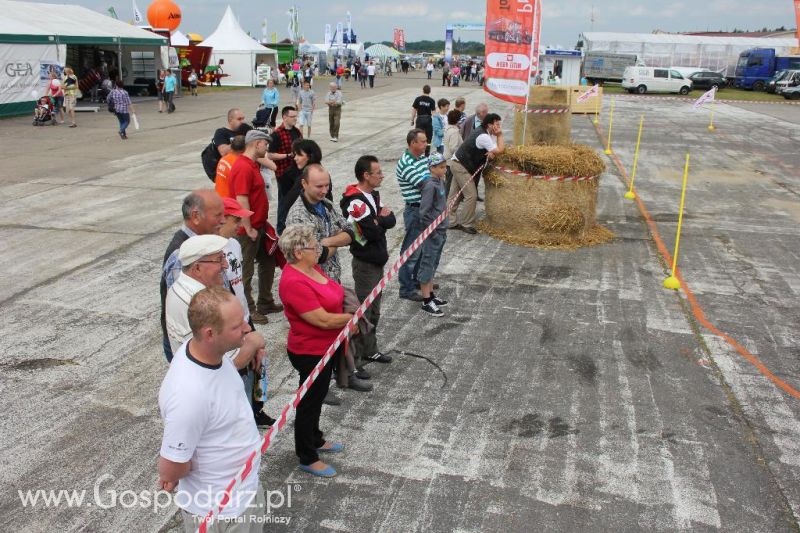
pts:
[255, 135]
[232, 207]
[199, 246]
[435, 159]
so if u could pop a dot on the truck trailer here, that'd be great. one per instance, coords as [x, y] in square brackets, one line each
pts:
[599, 67]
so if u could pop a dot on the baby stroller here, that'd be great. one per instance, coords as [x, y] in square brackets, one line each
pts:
[44, 112]
[262, 119]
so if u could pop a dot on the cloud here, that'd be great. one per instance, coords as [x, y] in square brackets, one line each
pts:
[397, 10]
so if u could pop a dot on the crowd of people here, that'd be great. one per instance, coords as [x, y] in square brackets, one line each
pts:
[211, 399]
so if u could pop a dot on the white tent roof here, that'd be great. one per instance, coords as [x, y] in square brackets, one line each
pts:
[230, 36]
[673, 38]
[178, 39]
[29, 22]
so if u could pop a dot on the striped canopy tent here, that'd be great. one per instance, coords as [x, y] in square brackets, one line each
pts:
[382, 51]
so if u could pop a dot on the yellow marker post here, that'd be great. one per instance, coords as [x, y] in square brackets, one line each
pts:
[596, 120]
[610, 124]
[672, 282]
[711, 122]
[630, 195]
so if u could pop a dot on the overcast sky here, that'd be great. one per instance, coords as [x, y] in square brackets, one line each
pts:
[562, 22]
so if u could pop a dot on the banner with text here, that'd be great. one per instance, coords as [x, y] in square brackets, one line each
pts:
[400, 39]
[511, 29]
[797, 20]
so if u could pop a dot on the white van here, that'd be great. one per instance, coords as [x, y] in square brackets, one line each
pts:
[653, 79]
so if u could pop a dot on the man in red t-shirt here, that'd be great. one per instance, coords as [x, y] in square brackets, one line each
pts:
[248, 188]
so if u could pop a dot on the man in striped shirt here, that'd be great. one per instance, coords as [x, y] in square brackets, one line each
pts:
[412, 170]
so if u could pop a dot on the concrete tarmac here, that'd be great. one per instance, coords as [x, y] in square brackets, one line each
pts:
[561, 391]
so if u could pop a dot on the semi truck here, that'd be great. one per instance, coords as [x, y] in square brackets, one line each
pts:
[757, 65]
[599, 67]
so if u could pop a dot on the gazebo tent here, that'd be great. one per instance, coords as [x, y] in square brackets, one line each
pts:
[178, 39]
[36, 37]
[382, 51]
[239, 52]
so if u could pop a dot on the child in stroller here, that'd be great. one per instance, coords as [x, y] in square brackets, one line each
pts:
[43, 112]
[262, 119]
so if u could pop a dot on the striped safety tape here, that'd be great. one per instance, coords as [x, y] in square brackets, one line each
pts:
[544, 110]
[545, 178]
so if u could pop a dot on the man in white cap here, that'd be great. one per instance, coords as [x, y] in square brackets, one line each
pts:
[203, 263]
[248, 188]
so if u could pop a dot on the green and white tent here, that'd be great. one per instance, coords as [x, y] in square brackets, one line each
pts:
[34, 37]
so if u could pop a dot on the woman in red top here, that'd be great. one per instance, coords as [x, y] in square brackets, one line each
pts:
[56, 91]
[313, 305]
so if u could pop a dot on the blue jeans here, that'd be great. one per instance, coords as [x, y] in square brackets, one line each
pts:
[431, 254]
[124, 120]
[408, 272]
[167, 348]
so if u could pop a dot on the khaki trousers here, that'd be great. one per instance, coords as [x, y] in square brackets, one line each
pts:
[469, 196]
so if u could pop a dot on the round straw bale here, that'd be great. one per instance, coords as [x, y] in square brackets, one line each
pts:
[538, 212]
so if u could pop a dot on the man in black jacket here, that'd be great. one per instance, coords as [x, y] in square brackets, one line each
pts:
[361, 205]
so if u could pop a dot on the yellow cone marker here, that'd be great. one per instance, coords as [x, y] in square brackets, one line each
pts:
[711, 121]
[630, 195]
[672, 282]
[596, 120]
[608, 150]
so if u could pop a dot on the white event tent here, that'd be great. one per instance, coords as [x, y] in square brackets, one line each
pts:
[178, 39]
[239, 52]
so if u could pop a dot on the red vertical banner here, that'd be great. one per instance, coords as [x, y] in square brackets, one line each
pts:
[511, 29]
[399, 39]
[797, 19]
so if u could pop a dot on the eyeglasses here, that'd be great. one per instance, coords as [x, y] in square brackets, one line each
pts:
[221, 260]
[316, 248]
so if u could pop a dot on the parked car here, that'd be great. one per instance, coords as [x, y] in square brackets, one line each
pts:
[791, 79]
[706, 79]
[652, 79]
[792, 93]
[772, 82]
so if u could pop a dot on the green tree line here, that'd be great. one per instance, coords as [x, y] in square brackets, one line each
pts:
[473, 48]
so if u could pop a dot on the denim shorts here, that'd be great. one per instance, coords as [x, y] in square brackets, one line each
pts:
[305, 117]
[431, 253]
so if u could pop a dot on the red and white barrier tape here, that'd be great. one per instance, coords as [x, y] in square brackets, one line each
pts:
[545, 178]
[690, 99]
[283, 418]
[543, 110]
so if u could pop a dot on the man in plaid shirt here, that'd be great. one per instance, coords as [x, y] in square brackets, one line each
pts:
[280, 150]
[123, 107]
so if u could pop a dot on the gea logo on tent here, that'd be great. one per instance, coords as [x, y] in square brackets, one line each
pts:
[15, 70]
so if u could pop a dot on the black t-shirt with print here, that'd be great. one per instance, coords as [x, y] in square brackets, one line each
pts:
[424, 105]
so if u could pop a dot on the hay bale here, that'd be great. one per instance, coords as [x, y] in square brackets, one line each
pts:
[540, 128]
[536, 212]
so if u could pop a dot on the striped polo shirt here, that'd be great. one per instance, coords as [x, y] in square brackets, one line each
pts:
[411, 172]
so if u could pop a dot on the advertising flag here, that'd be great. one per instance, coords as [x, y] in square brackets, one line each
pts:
[399, 41]
[339, 33]
[707, 97]
[448, 45]
[797, 20]
[113, 12]
[588, 94]
[328, 34]
[137, 15]
[512, 39]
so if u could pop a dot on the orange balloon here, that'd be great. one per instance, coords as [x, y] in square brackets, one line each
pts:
[164, 14]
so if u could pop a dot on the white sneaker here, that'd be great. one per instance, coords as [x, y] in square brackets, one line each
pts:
[432, 309]
[335, 139]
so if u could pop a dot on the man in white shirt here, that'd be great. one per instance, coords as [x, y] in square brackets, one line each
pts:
[371, 74]
[209, 432]
[203, 263]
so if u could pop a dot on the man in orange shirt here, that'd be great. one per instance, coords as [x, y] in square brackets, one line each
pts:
[221, 181]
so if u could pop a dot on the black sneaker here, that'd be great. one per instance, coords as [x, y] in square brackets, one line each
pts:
[360, 373]
[263, 420]
[439, 302]
[432, 309]
[414, 297]
[358, 384]
[380, 357]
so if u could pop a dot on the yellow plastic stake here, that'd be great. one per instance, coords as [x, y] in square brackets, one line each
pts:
[672, 282]
[630, 195]
[711, 122]
[610, 124]
[596, 120]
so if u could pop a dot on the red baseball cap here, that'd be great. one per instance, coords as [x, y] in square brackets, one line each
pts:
[232, 207]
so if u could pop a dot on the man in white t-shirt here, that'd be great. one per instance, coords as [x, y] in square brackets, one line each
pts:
[209, 432]
[482, 145]
[371, 74]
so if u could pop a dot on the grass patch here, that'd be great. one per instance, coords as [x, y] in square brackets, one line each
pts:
[728, 93]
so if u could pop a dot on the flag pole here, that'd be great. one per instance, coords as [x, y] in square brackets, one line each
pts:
[534, 56]
[711, 120]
